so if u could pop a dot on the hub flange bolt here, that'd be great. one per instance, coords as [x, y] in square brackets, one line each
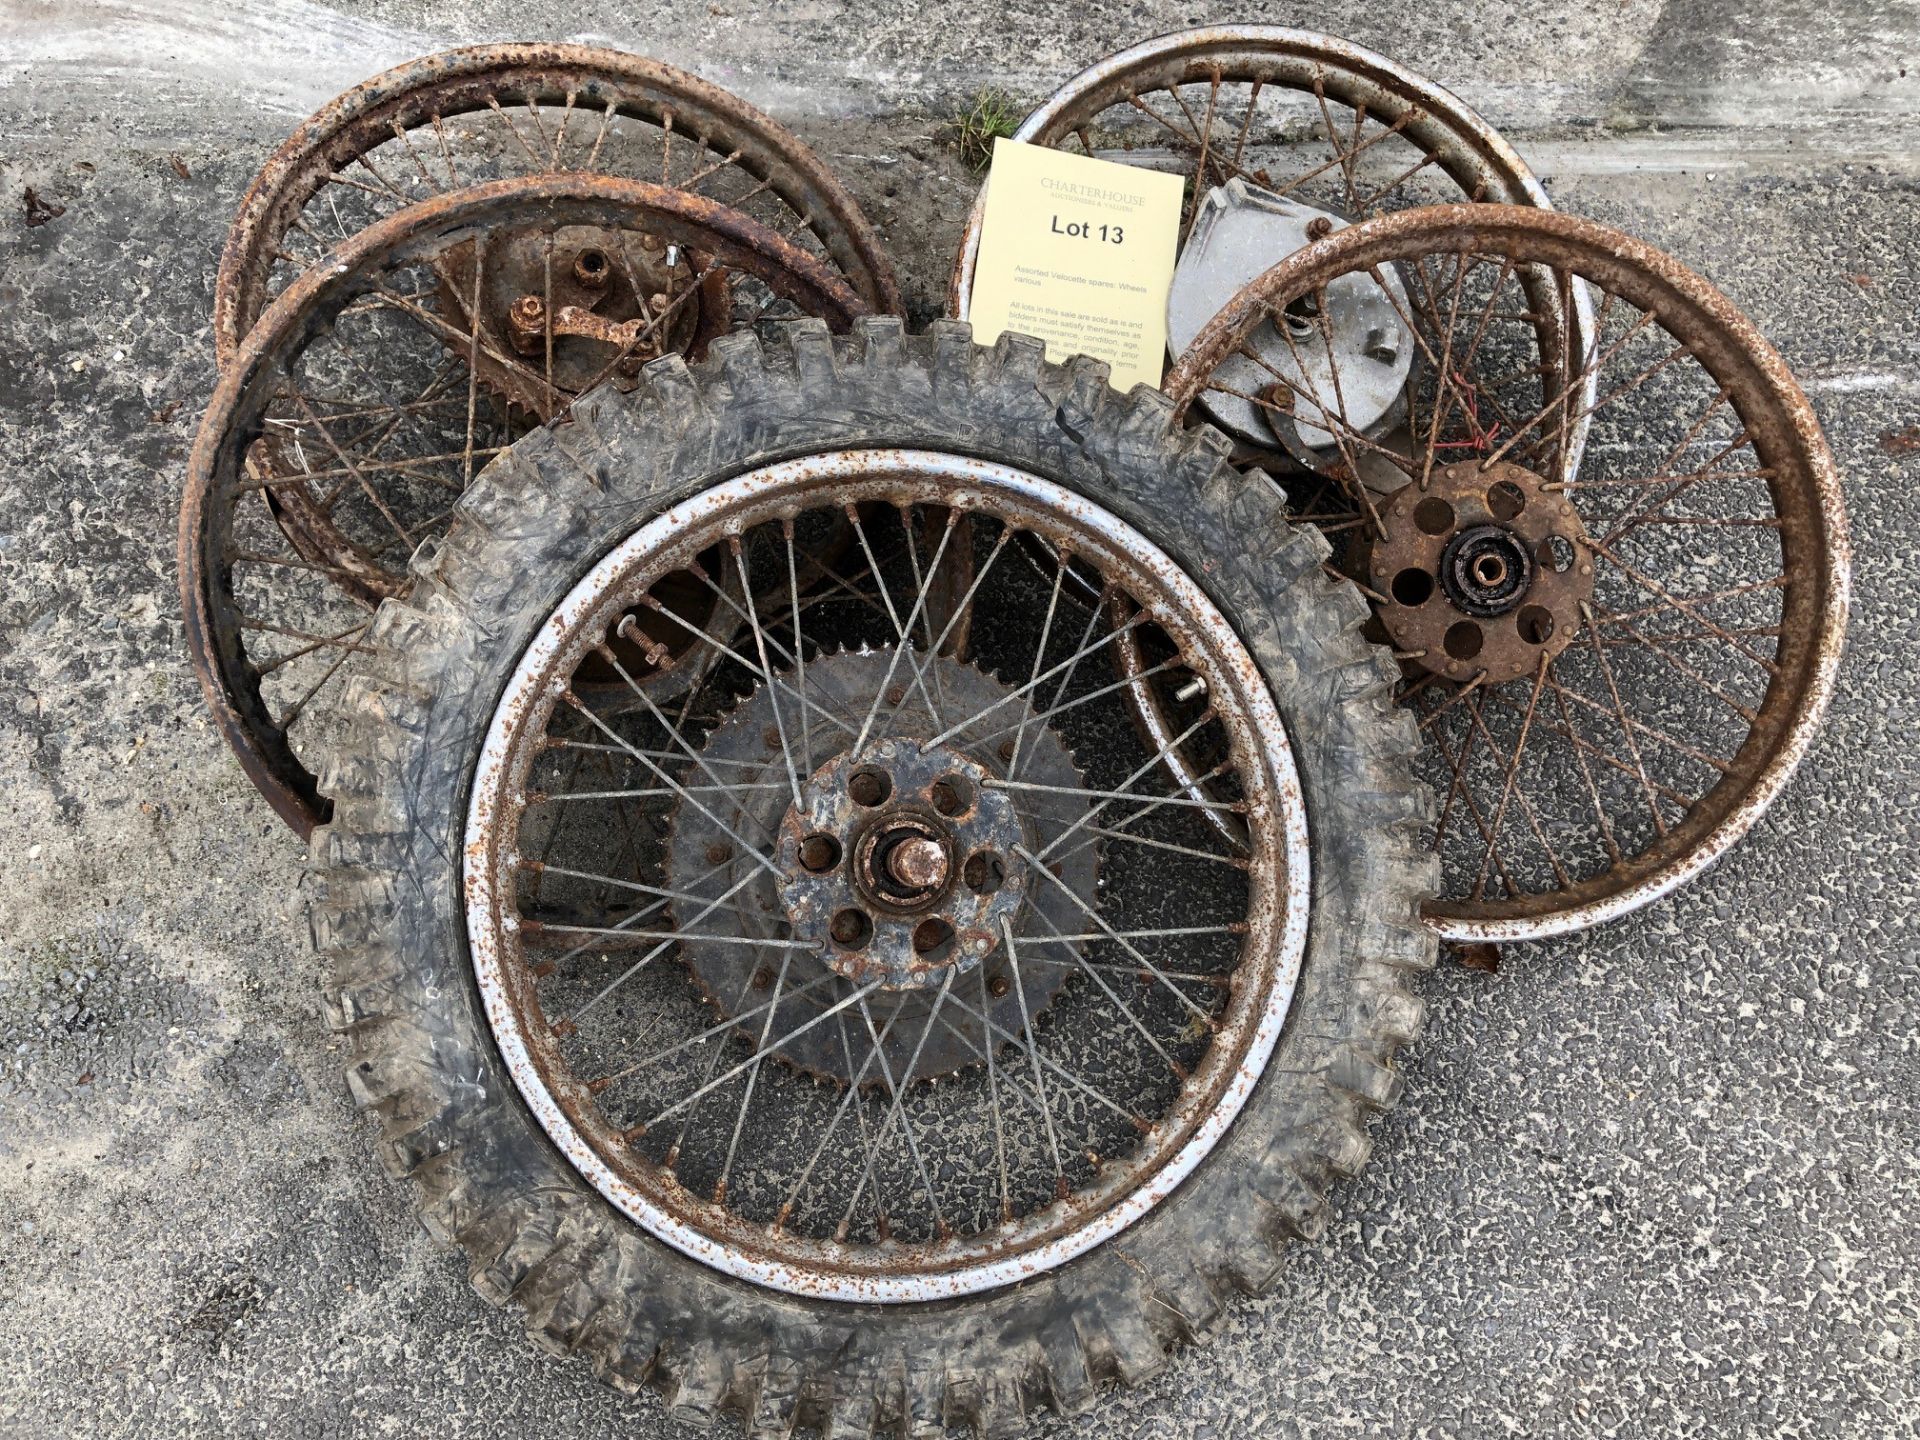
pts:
[590, 269]
[527, 323]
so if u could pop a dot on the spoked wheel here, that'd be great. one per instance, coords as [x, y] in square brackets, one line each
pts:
[1284, 136]
[439, 124]
[1616, 672]
[823, 1034]
[353, 417]
[880, 869]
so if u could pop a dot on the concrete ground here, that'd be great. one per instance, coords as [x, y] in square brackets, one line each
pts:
[1663, 1179]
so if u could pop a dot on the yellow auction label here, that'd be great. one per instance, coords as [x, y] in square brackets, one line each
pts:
[1079, 253]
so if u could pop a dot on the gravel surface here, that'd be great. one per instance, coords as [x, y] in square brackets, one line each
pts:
[1655, 1180]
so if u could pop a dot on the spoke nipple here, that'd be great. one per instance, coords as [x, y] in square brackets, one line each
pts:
[780, 1220]
[633, 1133]
[1141, 1125]
[673, 1152]
[563, 1028]
[720, 1191]
[1061, 1189]
[544, 969]
[600, 1086]
[1181, 1073]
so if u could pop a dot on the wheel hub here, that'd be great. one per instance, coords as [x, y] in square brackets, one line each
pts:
[898, 866]
[1361, 343]
[902, 864]
[1481, 570]
[595, 292]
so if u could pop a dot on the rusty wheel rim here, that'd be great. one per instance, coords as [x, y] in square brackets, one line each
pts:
[1307, 117]
[1701, 549]
[351, 406]
[452, 120]
[716, 1134]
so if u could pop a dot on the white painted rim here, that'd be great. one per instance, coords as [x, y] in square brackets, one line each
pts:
[964, 1275]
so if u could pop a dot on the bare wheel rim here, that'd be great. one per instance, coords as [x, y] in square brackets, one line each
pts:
[1616, 673]
[451, 120]
[981, 1143]
[352, 418]
[1299, 114]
